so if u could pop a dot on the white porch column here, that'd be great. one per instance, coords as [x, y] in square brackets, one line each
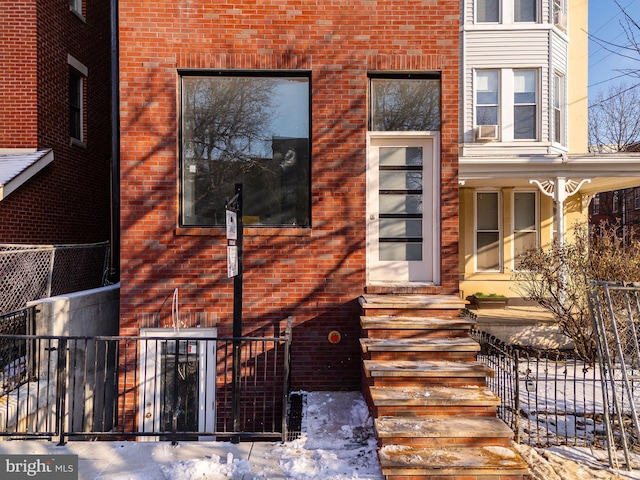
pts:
[560, 189]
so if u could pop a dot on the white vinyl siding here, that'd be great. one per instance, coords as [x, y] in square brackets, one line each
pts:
[503, 49]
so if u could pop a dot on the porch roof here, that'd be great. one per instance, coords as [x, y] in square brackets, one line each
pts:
[607, 171]
[17, 166]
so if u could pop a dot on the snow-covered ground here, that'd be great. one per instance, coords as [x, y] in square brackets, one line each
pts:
[337, 443]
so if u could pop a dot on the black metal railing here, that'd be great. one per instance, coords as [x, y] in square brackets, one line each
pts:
[15, 368]
[166, 388]
[549, 397]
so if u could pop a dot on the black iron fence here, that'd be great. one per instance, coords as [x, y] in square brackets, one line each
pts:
[548, 397]
[168, 387]
[15, 368]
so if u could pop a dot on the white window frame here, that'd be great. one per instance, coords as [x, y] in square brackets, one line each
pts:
[506, 13]
[536, 226]
[82, 72]
[537, 12]
[477, 9]
[615, 200]
[76, 7]
[559, 14]
[506, 103]
[476, 231]
[559, 108]
[595, 208]
[476, 90]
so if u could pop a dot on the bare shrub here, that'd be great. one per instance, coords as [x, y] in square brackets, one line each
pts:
[558, 277]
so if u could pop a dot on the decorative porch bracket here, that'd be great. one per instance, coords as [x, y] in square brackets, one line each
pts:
[560, 189]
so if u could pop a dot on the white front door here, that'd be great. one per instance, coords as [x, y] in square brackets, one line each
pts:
[403, 179]
[177, 370]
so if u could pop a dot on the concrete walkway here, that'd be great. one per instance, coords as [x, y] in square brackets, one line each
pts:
[145, 460]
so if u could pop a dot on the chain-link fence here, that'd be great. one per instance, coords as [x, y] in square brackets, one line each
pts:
[30, 272]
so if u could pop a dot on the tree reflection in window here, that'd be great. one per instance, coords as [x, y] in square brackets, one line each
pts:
[405, 104]
[252, 130]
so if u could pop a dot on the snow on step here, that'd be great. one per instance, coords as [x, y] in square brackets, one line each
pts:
[455, 344]
[434, 395]
[490, 460]
[438, 369]
[410, 301]
[415, 323]
[442, 427]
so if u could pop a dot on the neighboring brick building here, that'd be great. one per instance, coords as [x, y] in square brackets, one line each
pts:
[298, 99]
[55, 139]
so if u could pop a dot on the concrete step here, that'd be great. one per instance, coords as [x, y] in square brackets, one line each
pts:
[441, 431]
[425, 369]
[446, 306]
[482, 463]
[422, 324]
[434, 396]
[457, 348]
[433, 400]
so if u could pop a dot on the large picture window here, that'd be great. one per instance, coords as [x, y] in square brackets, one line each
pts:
[405, 104]
[247, 129]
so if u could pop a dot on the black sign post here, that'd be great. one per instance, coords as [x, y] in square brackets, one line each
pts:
[234, 268]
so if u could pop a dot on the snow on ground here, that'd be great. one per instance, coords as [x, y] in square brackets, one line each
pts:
[337, 443]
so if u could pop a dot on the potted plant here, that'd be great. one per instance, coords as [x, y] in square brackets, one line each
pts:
[486, 301]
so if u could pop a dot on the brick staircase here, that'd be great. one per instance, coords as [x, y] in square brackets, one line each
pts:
[434, 416]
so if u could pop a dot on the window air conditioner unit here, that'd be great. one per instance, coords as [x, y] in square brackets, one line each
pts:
[486, 132]
[560, 19]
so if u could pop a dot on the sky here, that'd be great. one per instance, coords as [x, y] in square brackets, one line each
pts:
[606, 22]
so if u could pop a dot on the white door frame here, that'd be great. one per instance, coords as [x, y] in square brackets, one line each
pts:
[431, 210]
[149, 413]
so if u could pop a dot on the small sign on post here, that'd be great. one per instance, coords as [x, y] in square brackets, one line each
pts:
[232, 247]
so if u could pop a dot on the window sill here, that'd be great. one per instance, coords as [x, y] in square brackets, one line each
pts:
[248, 231]
[77, 14]
[78, 143]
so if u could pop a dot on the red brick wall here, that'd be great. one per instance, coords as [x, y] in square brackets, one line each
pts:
[18, 74]
[67, 202]
[314, 274]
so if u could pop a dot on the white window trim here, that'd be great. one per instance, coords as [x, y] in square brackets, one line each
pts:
[506, 13]
[76, 7]
[500, 232]
[562, 107]
[83, 71]
[506, 104]
[513, 223]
